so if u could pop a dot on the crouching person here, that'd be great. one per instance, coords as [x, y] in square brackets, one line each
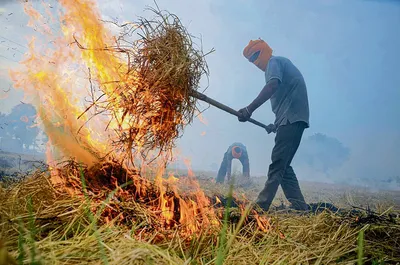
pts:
[235, 151]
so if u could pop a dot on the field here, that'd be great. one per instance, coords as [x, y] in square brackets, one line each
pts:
[138, 88]
[41, 225]
[102, 211]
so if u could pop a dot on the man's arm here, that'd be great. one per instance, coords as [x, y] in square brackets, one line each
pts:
[273, 77]
[222, 169]
[265, 94]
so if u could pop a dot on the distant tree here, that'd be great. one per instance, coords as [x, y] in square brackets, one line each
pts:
[3, 124]
[322, 153]
[5, 138]
[19, 131]
[393, 180]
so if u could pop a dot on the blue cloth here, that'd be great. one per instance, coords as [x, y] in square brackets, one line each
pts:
[226, 164]
[290, 101]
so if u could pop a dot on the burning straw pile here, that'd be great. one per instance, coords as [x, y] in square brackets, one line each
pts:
[152, 102]
[115, 214]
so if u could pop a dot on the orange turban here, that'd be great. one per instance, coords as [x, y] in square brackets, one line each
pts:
[264, 56]
[236, 152]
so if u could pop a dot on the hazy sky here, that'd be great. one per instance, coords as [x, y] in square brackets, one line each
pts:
[348, 52]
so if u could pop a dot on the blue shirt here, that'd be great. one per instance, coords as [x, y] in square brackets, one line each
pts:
[242, 146]
[290, 101]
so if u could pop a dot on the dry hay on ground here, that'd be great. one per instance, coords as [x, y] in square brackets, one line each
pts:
[58, 229]
[150, 103]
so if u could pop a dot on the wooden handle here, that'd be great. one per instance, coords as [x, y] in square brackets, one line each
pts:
[223, 107]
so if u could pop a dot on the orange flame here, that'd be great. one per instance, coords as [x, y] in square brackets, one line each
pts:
[50, 76]
[262, 222]
[201, 118]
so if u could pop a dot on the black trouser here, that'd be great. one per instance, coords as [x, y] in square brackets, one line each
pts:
[287, 140]
[226, 167]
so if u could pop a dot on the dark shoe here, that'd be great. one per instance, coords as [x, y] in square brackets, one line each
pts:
[260, 206]
[299, 205]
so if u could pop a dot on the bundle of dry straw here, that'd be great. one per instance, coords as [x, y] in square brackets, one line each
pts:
[164, 66]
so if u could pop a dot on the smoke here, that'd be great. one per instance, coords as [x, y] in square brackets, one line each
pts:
[6, 2]
[323, 158]
[322, 153]
[384, 1]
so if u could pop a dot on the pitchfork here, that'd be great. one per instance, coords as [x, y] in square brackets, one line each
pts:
[221, 106]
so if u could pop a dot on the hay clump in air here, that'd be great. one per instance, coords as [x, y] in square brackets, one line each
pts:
[154, 98]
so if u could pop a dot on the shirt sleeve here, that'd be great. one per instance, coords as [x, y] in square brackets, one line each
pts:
[274, 70]
[228, 154]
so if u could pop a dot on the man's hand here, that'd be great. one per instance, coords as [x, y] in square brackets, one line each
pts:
[245, 114]
[270, 128]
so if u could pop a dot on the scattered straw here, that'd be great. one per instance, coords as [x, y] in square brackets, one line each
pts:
[64, 234]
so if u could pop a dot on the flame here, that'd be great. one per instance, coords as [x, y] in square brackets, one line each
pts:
[188, 165]
[201, 118]
[262, 222]
[51, 76]
[175, 209]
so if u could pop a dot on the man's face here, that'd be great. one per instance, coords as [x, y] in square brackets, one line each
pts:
[258, 52]
[254, 56]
